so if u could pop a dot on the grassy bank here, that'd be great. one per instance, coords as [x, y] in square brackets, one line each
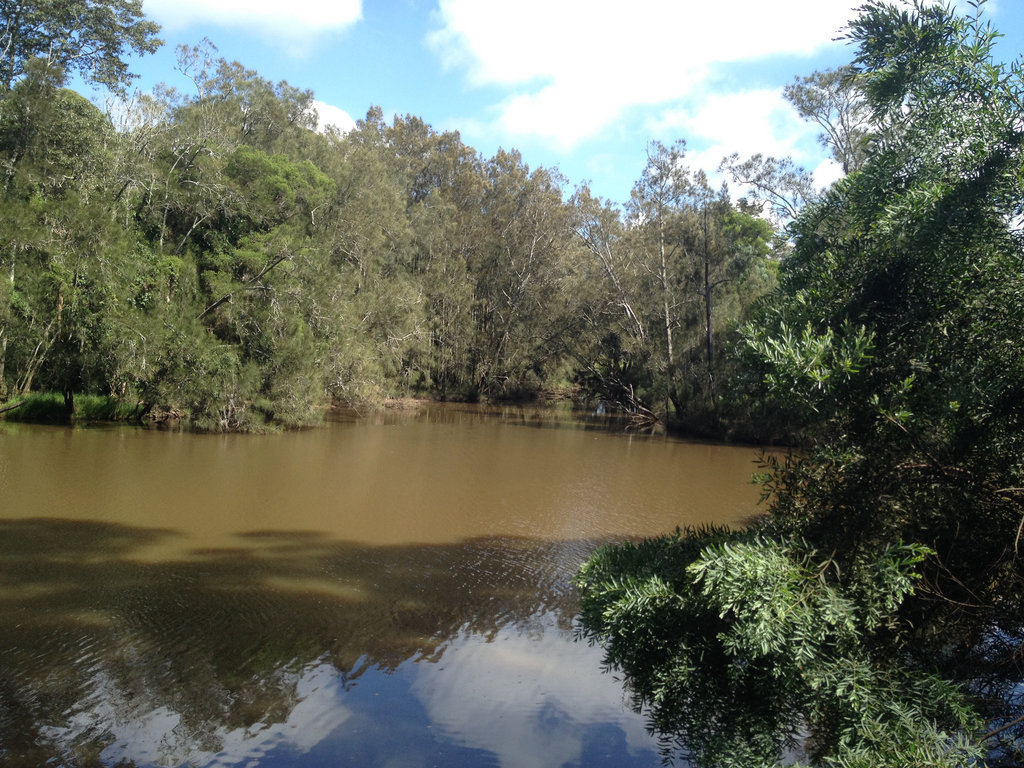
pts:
[49, 408]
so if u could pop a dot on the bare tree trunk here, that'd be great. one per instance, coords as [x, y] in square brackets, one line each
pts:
[670, 391]
[3, 364]
[665, 299]
[708, 289]
[4, 335]
[707, 317]
[708, 339]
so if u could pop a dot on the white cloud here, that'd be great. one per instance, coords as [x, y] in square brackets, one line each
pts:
[328, 114]
[299, 18]
[556, 689]
[159, 736]
[827, 173]
[572, 67]
[746, 123]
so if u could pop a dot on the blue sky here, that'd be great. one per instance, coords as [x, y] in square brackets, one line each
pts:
[581, 85]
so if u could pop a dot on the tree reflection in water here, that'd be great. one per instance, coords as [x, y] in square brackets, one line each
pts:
[293, 648]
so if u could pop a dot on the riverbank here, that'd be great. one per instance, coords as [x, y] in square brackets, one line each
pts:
[51, 408]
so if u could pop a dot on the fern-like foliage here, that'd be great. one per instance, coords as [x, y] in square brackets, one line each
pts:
[747, 650]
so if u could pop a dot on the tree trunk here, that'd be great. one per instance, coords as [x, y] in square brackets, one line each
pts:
[670, 390]
[665, 299]
[5, 334]
[708, 339]
[3, 365]
[708, 288]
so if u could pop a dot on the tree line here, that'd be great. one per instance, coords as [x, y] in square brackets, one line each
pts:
[212, 255]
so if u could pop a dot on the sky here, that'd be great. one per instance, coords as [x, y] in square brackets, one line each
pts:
[578, 85]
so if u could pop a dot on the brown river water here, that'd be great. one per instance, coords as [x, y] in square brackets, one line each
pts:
[385, 591]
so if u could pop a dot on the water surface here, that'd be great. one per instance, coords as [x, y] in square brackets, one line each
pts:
[389, 591]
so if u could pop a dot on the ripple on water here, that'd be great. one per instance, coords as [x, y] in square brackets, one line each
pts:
[358, 593]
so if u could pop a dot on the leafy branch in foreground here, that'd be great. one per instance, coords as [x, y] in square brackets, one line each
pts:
[742, 647]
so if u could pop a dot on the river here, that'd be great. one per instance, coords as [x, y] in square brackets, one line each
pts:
[384, 591]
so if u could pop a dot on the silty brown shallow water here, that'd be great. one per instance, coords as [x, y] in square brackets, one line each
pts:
[385, 591]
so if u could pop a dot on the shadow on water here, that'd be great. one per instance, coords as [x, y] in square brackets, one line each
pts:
[233, 643]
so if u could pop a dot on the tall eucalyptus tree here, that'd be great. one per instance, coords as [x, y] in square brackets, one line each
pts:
[92, 38]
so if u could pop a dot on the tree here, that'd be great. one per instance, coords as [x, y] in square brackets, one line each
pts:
[444, 185]
[895, 339]
[906, 278]
[721, 245]
[653, 211]
[674, 279]
[85, 260]
[613, 361]
[832, 99]
[234, 227]
[90, 37]
[523, 273]
[63, 261]
[51, 138]
[375, 306]
[777, 185]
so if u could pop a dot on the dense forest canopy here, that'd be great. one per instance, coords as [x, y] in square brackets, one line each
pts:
[211, 255]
